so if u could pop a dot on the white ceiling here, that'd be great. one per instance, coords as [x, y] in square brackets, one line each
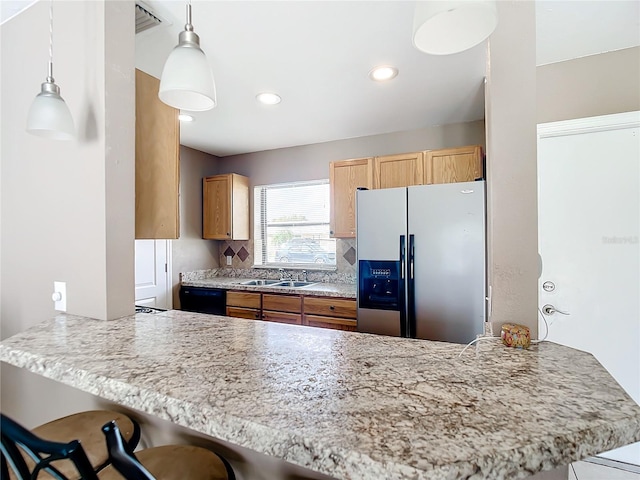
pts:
[317, 55]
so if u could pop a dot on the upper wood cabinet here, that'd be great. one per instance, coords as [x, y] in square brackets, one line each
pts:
[225, 210]
[157, 162]
[401, 170]
[450, 165]
[345, 177]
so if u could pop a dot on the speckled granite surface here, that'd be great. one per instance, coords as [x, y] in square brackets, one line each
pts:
[351, 405]
[214, 279]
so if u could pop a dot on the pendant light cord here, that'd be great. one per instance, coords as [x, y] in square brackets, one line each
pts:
[188, 27]
[50, 77]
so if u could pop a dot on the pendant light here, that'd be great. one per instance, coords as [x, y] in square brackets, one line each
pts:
[187, 81]
[49, 115]
[445, 27]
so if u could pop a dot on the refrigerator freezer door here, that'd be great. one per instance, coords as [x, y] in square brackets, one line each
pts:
[448, 225]
[381, 222]
[381, 217]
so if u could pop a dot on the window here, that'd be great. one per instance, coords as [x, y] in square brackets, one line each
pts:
[291, 222]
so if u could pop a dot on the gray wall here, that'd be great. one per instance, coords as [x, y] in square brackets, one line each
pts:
[589, 86]
[190, 251]
[512, 222]
[311, 162]
[67, 209]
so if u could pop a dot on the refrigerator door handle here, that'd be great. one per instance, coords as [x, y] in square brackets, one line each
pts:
[404, 328]
[411, 287]
[402, 256]
[412, 253]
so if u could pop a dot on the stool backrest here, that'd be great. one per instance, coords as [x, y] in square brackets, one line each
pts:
[121, 456]
[16, 439]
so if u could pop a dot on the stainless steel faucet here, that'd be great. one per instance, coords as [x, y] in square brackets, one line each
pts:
[284, 275]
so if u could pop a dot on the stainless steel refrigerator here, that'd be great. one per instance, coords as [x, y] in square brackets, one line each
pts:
[421, 261]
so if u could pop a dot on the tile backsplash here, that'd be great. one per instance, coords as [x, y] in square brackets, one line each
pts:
[241, 253]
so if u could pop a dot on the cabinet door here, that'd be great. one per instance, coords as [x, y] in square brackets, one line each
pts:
[216, 210]
[401, 170]
[244, 299]
[281, 317]
[450, 165]
[282, 303]
[157, 163]
[250, 313]
[334, 323]
[225, 208]
[332, 307]
[345, 178]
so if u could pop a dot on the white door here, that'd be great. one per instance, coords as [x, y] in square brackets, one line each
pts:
[588, 221]
[152, 273]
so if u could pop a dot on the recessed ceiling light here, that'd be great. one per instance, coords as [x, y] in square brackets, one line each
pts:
[185, 118]
[268, 98]
[382, 73]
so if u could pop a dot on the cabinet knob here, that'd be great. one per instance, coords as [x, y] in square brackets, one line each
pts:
[228, 234]
[330, 232]
[331, 307]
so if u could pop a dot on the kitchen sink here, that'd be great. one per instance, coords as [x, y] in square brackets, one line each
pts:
[292, 284]
[261, 282]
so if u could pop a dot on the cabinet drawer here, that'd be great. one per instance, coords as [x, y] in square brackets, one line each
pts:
[330, 322]
[243, 299]
[240, 312]
[282, 303]
[281, 317]
[333, 307]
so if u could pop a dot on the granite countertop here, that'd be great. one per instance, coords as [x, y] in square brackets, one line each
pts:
[347, 404]
[343, 290]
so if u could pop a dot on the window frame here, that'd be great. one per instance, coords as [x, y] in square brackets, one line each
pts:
[261, 227]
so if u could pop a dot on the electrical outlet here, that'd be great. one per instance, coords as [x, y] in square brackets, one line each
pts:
[229, 260]
[59, 296]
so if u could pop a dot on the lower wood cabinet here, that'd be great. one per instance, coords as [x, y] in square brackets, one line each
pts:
[244, 304]
[330, 312]
[334, 323]
[282, 317]
[324, 312]
[282, 308]
[250, 313]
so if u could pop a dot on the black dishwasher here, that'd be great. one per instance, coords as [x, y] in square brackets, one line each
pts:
[203, 300]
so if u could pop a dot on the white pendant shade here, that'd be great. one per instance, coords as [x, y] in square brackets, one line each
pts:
[49, 117]
[187, 80]
[444, 27]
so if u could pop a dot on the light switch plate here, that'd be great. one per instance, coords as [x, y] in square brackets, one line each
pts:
[229, 260]
[60, 288]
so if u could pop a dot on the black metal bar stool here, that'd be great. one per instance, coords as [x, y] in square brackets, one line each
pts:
[64, 448]
[169, 462]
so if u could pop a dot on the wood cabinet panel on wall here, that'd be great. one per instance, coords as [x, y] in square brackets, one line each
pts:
[450, 165]
[225, 210]
[401, 170]
[157, 163]
[345, 177]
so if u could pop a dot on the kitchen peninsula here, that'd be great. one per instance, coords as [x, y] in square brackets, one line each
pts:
[349, 405]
